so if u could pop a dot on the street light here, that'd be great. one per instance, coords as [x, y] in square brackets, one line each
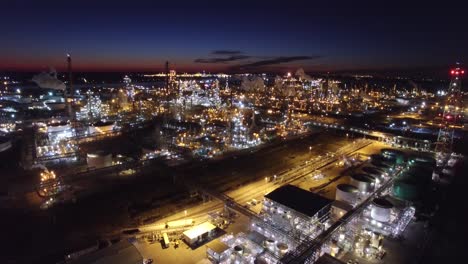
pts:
[185, 219]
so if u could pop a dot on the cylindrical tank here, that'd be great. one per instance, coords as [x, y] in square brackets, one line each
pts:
[260, 260]
[282, 248]
[381, 209]
[239, 249]
[270, 244]
[364, 182]
[405, 190]
[346, 193]
[383, 166]
[334, 249]
[99, 159]
[373, 171]
[381, 159]
[423, 160]
[398, 155]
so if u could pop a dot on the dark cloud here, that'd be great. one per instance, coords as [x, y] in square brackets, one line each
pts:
[277, 60]
[222, 60]
[226, 52]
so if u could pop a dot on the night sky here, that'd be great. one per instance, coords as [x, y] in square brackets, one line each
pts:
[232, 36]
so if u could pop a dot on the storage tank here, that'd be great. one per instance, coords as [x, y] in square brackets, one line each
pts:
[373, 171]
[334, 249]
[346, 193]
[381, 209]
[239, 249]
[270, 244]
[405, 189]
[282, 248]
[382, 166]
[398, 155]
[364, 182]
[99, 159]
[260, 260]
[101, 127]
[423, 160]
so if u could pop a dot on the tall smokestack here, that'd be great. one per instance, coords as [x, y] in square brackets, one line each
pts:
[167, 76]
[71, 91]
[70, 79]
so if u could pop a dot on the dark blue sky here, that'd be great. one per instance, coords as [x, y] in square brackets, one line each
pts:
[232, 35]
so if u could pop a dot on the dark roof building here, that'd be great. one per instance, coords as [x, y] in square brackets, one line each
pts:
[299, 200]
[328, 259]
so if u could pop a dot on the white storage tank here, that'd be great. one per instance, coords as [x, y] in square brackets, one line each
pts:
[99, 159]
[282, 248]
[346, 193]
[364, 182]
[239, 249]
[270, 244]
[381, 209]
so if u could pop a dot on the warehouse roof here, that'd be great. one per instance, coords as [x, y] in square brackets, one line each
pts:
[199, 230]
[302, 201]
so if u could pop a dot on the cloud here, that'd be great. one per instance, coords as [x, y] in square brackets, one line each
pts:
[278, 60]
[226, 52]
[222, 60]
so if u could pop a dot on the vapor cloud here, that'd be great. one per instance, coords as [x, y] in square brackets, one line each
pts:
[222, 60]
[277, 60]
[253, 62]
[226, 52]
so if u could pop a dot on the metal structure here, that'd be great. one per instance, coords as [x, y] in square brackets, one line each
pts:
[310, 251]
[167, 76]
[70, 77]
[452, 114]
[71, 92]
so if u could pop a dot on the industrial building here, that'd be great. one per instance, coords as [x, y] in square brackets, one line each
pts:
[199, 233]
[294, 210]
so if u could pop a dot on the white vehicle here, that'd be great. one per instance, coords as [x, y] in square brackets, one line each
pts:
[165, 240]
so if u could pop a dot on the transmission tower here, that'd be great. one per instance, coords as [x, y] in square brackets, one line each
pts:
[452, 115]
